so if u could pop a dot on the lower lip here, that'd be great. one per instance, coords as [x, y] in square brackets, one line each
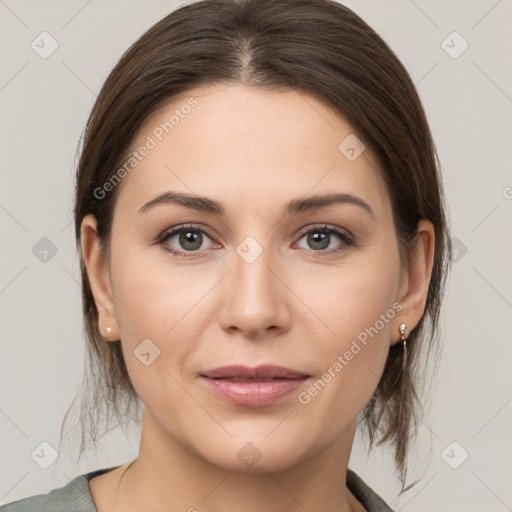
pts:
[253, 393]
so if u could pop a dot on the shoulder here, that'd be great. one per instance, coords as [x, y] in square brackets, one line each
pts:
[367, 496]
[75, 496]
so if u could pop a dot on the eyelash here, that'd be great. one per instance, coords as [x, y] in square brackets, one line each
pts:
[345, 237]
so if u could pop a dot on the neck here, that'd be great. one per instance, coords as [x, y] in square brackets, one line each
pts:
[176, 478]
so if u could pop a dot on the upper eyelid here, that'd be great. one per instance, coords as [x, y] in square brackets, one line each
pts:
[172, 231]
[326, 227]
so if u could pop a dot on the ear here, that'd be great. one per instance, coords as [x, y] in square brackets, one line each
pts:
[415, 280]
[99, 278]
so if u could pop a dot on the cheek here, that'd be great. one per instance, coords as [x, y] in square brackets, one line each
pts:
[153, 299]
[161, 314]
[352, 297]
[359, 308]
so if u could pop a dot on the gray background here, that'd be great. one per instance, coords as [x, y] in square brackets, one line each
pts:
[468, 99]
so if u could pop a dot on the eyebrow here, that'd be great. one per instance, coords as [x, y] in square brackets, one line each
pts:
[296, 206]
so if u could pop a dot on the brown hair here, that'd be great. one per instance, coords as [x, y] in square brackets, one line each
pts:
[318, 47]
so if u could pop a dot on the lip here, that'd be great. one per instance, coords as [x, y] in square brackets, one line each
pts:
[253, 387]
[262, 372]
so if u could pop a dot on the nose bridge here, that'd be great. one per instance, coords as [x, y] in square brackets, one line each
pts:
[253, 300]
[252, 277]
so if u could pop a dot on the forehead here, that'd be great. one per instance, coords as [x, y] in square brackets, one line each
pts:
[242, 143]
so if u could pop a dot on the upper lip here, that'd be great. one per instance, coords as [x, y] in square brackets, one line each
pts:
[255, 373]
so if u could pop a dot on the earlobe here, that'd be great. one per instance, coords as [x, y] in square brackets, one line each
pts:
[99, 278]
[417, 279]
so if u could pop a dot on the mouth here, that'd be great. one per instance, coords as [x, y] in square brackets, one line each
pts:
[253, 387]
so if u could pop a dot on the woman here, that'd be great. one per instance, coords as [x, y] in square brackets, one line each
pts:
[264, 248]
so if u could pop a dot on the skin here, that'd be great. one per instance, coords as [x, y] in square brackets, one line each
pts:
[253, 151]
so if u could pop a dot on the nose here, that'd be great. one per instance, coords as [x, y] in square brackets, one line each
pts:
[254, 300]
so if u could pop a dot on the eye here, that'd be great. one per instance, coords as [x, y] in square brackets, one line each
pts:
[320, 238]
[187, 238]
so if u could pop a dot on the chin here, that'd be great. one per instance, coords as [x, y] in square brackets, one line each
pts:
[255, 454]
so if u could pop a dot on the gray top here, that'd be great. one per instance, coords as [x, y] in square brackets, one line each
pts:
[76, 496]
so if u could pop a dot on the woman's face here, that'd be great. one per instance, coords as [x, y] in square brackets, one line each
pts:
[262, 284]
